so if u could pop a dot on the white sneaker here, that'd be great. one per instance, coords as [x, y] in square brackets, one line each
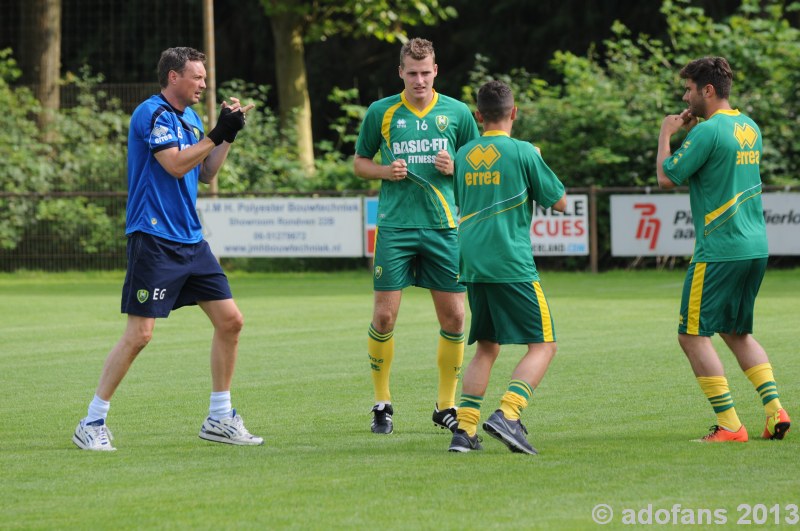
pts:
[229, 430]
[93, 436]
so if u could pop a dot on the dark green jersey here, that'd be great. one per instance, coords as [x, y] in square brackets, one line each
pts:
[399, 131]
[720, 158]
[497, 180]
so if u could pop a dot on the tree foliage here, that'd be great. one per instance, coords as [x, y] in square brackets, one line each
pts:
[385, 20]
[295, 22]
[596, 122]
[85, 153]
[599, 124]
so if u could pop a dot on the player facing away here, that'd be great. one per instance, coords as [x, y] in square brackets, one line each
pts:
[417, 133]
[497, 178]
[720, 160]
[169, 263]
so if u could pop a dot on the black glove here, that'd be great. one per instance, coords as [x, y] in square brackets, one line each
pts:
[228, 124]
[234, 122]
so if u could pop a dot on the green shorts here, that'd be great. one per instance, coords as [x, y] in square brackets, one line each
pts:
[509, 314]
[427, 258]
[720, 296]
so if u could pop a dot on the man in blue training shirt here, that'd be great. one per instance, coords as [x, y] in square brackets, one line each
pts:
[169, 263]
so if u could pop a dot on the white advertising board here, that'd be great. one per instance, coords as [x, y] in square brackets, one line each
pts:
[290, 227]
[561, 233]
[661, 225]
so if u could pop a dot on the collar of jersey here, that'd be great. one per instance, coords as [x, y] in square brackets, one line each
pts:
[423, 112]
[729, 112]
[176, 111]
[495, 132]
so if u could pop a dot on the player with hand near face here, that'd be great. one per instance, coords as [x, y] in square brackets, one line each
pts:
[720, 160]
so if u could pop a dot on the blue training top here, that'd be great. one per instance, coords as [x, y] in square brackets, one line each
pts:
[158, 203]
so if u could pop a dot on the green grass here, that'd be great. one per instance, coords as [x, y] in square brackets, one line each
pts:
[612, 419]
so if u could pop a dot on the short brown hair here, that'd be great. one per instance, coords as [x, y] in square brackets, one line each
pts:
[176, 59]
[714, 71]
[418, 49]
[495, 101]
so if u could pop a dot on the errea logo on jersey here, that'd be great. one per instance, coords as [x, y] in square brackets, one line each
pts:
[161, 134]
[401, 123]
[746, 136]
[480, 157]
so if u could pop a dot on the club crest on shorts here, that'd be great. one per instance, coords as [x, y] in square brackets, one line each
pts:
[142, 295]
[442, 122]
[378, 271]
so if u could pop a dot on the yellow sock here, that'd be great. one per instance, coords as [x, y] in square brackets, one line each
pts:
[515, 399]
[380, 348]
[719, 395]
[449, 356]
[764, 381]
[469, 413]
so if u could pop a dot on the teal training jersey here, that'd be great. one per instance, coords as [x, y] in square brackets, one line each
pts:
[392, 126]
[720, 158]
[497, 180]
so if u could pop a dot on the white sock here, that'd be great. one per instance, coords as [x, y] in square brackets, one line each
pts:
[98, 409]
[220, 405]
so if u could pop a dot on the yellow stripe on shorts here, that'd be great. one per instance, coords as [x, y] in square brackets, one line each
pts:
[695, 298]
[547, 323]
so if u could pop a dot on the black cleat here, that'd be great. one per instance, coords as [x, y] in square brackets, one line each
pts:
[445, 419]
[382, 419]
[509, 432]
[464, 443]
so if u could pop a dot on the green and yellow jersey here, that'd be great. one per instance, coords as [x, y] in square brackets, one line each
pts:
[394, 127]
[720, 158]
[497, 178]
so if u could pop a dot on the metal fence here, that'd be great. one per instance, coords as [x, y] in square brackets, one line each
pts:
[74, 244]
[60, 245]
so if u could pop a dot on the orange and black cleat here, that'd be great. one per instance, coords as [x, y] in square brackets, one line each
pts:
[777, 425]
[719, 434]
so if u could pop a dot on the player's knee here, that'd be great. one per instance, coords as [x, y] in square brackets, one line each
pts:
[547, 349]
[145, 337]
[453, 322]
[138, 338]
[383, 322]
[233, 324]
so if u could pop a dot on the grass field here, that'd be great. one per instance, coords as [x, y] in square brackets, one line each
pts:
[613, 418]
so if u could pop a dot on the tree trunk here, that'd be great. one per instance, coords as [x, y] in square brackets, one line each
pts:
[290, 70]
[40, 55]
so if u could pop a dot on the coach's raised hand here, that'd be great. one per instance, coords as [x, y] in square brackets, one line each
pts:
[232, 119]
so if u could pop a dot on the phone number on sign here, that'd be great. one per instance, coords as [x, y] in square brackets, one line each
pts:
[758, 514]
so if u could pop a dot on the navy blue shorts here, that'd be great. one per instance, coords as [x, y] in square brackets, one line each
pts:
[164, 275]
